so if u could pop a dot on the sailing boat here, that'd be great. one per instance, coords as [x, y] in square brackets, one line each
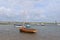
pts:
[27, 29]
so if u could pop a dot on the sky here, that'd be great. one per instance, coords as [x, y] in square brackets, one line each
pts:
[30, 10]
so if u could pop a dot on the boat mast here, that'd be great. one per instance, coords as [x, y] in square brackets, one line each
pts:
[24, 17]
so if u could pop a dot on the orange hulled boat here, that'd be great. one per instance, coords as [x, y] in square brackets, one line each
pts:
[27, 30]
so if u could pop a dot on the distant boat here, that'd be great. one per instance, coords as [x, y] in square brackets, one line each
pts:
[58, 24]
[38, 24]
[42, 24]
[17, 25]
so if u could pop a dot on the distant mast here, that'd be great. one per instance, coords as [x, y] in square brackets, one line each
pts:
[55, 22]
[24, 17]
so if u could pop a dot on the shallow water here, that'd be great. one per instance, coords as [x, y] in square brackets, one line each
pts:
[47, 32]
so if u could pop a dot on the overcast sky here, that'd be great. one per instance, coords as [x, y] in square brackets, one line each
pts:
[30, 10]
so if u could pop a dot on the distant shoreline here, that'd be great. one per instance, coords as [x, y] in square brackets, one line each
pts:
[27, 22]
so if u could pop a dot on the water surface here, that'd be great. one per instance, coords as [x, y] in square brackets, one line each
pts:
[47, 32]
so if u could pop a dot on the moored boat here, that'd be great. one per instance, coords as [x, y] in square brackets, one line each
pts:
[27, 30]
[42, 24]
[26, 26]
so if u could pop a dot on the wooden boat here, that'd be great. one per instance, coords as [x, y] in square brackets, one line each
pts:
[27, 27]
[28, 30]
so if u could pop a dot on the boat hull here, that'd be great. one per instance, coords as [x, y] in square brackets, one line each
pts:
[28, 30]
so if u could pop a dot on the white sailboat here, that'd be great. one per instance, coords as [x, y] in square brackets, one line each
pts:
[42, 24]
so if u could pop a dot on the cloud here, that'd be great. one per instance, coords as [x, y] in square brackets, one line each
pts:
[43, 16]
[30, 9]
[7, 13]
[52, 5]
[32, 14]
[4, 10]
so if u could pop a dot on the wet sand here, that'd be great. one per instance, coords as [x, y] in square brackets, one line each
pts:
[10, 32]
